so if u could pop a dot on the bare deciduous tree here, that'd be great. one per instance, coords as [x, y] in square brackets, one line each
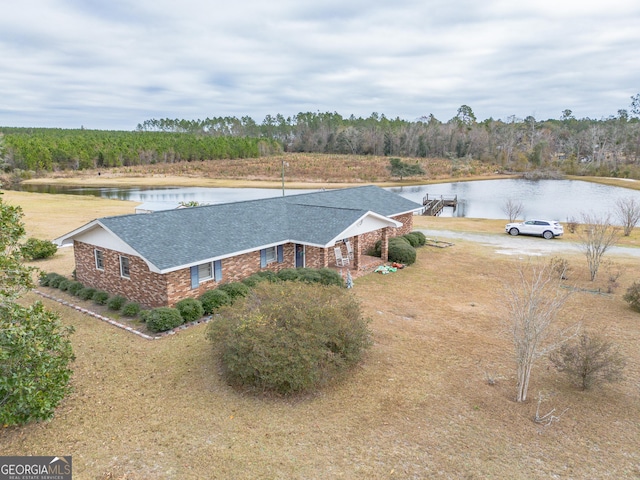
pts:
[596, 235]
[512, 209]
[533, 300]
[628, 213]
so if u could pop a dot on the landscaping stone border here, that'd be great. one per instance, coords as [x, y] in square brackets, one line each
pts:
[113, 322]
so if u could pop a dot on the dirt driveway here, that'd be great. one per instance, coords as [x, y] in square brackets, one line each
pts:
[521, 245]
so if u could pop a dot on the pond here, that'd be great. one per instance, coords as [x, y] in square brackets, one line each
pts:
[552, 199]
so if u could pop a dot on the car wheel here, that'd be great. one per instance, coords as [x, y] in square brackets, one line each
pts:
[548, 235]
[514, 232]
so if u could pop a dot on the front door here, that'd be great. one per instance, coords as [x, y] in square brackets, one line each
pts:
[299, 255]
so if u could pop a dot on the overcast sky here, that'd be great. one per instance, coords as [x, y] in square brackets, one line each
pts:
[111, 64]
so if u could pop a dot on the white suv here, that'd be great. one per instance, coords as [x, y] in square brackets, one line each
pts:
[543, 228]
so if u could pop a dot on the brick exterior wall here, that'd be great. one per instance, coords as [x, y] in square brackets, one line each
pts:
[154, 290]
[142, 286]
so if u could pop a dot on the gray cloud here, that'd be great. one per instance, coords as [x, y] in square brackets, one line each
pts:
[116, 63]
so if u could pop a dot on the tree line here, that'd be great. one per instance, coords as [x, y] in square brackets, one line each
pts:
[48, 149]
[608, 146]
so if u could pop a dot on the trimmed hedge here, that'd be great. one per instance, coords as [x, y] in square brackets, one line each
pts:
[416, 239]
[402, 252]
[86, 293]
[100, 297]
[309, 275]
[162, 319]
[74, 287]
[45, 278]
[214, 299]
[235, 289]
[116, 303]
[190, 309]
[289, 274]
[401, 249]
[130, 309]
[55, 280]
[258, 277]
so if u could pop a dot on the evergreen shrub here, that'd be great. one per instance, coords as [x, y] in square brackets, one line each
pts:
[86, 293]
[116, 303]
[262, 276]
[328, 276]
[234, 290]
[214, 299]
[402, 252]
[100, 297]
[45, 278]
[190, 309]
[55, 280]
[74, 287]
[35, 249]
[289, 274]
[289, 337]
[162, 319]
[131, 309]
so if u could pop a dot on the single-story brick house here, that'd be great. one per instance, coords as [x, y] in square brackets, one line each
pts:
[160, 258]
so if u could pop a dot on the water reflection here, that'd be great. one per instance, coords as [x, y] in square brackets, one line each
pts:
[553, 199]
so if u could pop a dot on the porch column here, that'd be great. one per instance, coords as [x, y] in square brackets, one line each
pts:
[356, 252]
[384, 244]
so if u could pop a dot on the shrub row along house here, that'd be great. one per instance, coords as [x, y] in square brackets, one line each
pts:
[160, 258]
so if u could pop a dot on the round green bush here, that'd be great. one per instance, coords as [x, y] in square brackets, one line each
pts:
[86, 293]
[289, 337]
[377, 248]
[64, 284]
[422, 240]
[35, 249]
[234, 290]
[116, 303]
[328, 276]
[213, 299]
[262, 276]
[414, 239]
[190, 309]
[45, 278]
[402, 252]
[55, 280]
[74, 287]
[309, 275]
[130, 309]
[162, 319]
[100, 297]
[289, 274]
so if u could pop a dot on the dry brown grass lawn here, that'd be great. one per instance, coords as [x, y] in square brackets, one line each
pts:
[418, 407]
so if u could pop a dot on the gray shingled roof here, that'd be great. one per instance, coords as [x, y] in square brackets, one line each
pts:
[368, 198]
[173, 238]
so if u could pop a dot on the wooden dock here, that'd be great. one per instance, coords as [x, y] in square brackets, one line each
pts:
[433, 206]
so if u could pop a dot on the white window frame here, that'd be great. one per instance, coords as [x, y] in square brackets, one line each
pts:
[98, 256]
[209, 276]
[123, 273]
[271, 254]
